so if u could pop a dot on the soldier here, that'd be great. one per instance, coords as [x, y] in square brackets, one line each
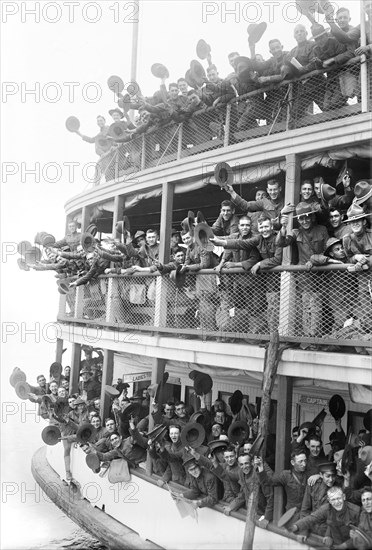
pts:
[203, 485]
[227, 221]
[102, 145]
[71, 239]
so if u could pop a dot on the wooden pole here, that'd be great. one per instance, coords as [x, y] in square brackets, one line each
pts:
[271, 362]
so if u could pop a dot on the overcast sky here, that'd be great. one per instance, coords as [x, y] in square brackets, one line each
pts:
[66, 64]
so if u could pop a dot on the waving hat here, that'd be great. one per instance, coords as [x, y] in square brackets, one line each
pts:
[85, 433]
[365, 454]
[318, 30]
[159, 70]
[202, 234]
[255, 32]
[115, 84]
[63, 287]
[23, 247]
[48, 240]
[118, 130]
[223, 174]
[192, 435]
[22, 264]
[87, 242]
[22, 389]
[51, 435]
[362, 191]
[119, 112]
[178, 276]
[217, 444]
[355, 213]
[123, 226]
[304, 209]
[110, 390]
[197, 72]
[92, 461]
[72, 124]
[188, 224]
[236, 401]
[203, 383]
[198, 417]
[238, 432]
[92, 229]
[202, 49]
[17, 376]
[286, 518]
[319, 419]
[327, 192]
[191, 80]
[157, 432]
[361, 534]
[242, 60]
[55, 370]
[337, 406]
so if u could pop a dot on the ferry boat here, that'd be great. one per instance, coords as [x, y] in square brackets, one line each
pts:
[154, 180]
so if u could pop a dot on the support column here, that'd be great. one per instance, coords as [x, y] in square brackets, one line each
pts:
[85, 218]
[118, 215]
[59, 350]
[75, 368]
[283, 436]
[112, 296]
[107, 374]
[164, 252]
[287, 285]
[157, 373]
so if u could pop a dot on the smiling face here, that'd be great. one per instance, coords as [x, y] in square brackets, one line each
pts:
[343, 19]
[273, 190]
[179, 257]
[265, 228]
[115, 441]
[181, 410]
[366, 499]
[173, 92]
[72, 227]
[245, 464]
[41, 380]
[101, 121]
[305, 221]
[96, 422]
[336, 498]
[357, 227]
[213, 75]
[226, 213]
[337, 252]
[62, 393]
[151, 238]
[299, 462]
[194, 470]
[306, 190]
[169, 411]
[328, 478]
[53, 388]
[187, 239]
[314, 448]
[110, 426]
[216, 431]
[300, 34]
[335, 219]
[244, 227]
[229, 457]
[276, 49]
[174, 434]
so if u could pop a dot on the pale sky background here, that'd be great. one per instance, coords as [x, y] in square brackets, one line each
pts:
[33, 129]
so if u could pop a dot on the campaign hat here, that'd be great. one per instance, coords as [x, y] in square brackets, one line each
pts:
[157, 433]
[155, 390]
[72, 124]
[85, 433]
[190, 79]
[367, 420]
[159, 70]
[115, 84]
[242, 59]
[238, 432]
[33, 255]
[48, 240]
[202, 233]
[17, 376]
[79, 401]
[55, 370]
[286, 518]
[197, 72]
[355, 213]
[87, 242]
[361, 533]
[337, 406]
[319, 419]
[365, 454]
[202, 49]
[236, 401]
[327, 192]
[123, 226]
[257, 445]
[22, 389]
[217, 444]
[92, 229]
[118, 111]
[198, 417]
[118, 129]
[203, 383]
[39, 236]
[132, 409]
[327, 467]
[330, 242]
[110, 390]
[23, 247]
[92, 461]
[63, 287]
[223, 174]
[303, 208]
[318, 30]
[51, 435]
[192, 435]
[188, 223]
[86, 370]
[139, 234]
[255, 32]
[362, 191]
[188, 461]
[338, 455]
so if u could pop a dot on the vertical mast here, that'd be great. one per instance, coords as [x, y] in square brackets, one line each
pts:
[363, 67]
[133, 69]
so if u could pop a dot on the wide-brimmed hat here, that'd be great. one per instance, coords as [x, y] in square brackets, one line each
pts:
[286, 518]
[198, 417]
[33, 255]
[92, 461]
[110, 390]
[79, 401]
[202, 49]
[118, 130]
[48, 240]
[23, 247]
[92, 229]
[86, 370]
[197, 72]
[338, 455]
[155, 390]
[362, 191]
[51, 435]
[22, 389]
[238, 432]
[367, 420]
[365, 454]
[330, 242]
[115, 84]
[223, 174]
[327, 192]
[190, 79]
[159, 70]
[217, 444]
[116, 110]
[242, 59]
[318, 30]
[337, 406]
[85, 433]
[361, 533]
[355, 213]
[203, 383]
[123, 226]
[188, 224]
[188, 461]
[39, 236]
[17, 376]
[55, 370]
[202, 233]
[319, 419]
[178, 276]
[133, 409]
[157, 432]
[72, 124]
[255, 32]
[192, 435]
[303, 208]
[139, 234]
[63, 287]
[236, 401]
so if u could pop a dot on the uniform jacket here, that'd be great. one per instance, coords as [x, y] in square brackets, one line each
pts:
[265, 494]
[354, 244]
[222, 228]
[265, 205]
[270, 252]
[294, 484]
[308, 242]
[203, 488]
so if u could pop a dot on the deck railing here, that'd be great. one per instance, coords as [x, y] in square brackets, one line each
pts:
[328, 306]
[314, 98]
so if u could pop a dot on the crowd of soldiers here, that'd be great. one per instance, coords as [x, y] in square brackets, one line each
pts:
[253, 242]
[213, 453]
[328, 49]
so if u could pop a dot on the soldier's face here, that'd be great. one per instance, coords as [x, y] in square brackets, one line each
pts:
[194, 471]
[110, 425]
[72, 227]
[260, 194]
[314, 448]
[317, 185]
[213, 75]
[337, 500]
[116, 117]
[300, 34]
[305, 221]
[216, 430]
[343, 19]
[276, 49]
[245, 463]
[179, 257]
[338, 252]
[151, 239]
[226, 213]
[306, 191]
[335, 219]
[329, 478]
[181, 411]
[41, 381]
[244, 227]
[229, 457]
[367, 502]
[101, 121]
[96, 422]
[187, 239]
[182, 86]
[174, 435]
[265, 229]
[219, 417]
[169, 411]
[273, 190]
[53, 388]
[357, 227]
[115, 441]
[299, 463]
[173, 92]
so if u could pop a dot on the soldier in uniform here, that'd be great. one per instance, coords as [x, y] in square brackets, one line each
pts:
[203, 485]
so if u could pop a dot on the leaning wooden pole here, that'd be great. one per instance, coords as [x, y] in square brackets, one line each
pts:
[271, 361]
